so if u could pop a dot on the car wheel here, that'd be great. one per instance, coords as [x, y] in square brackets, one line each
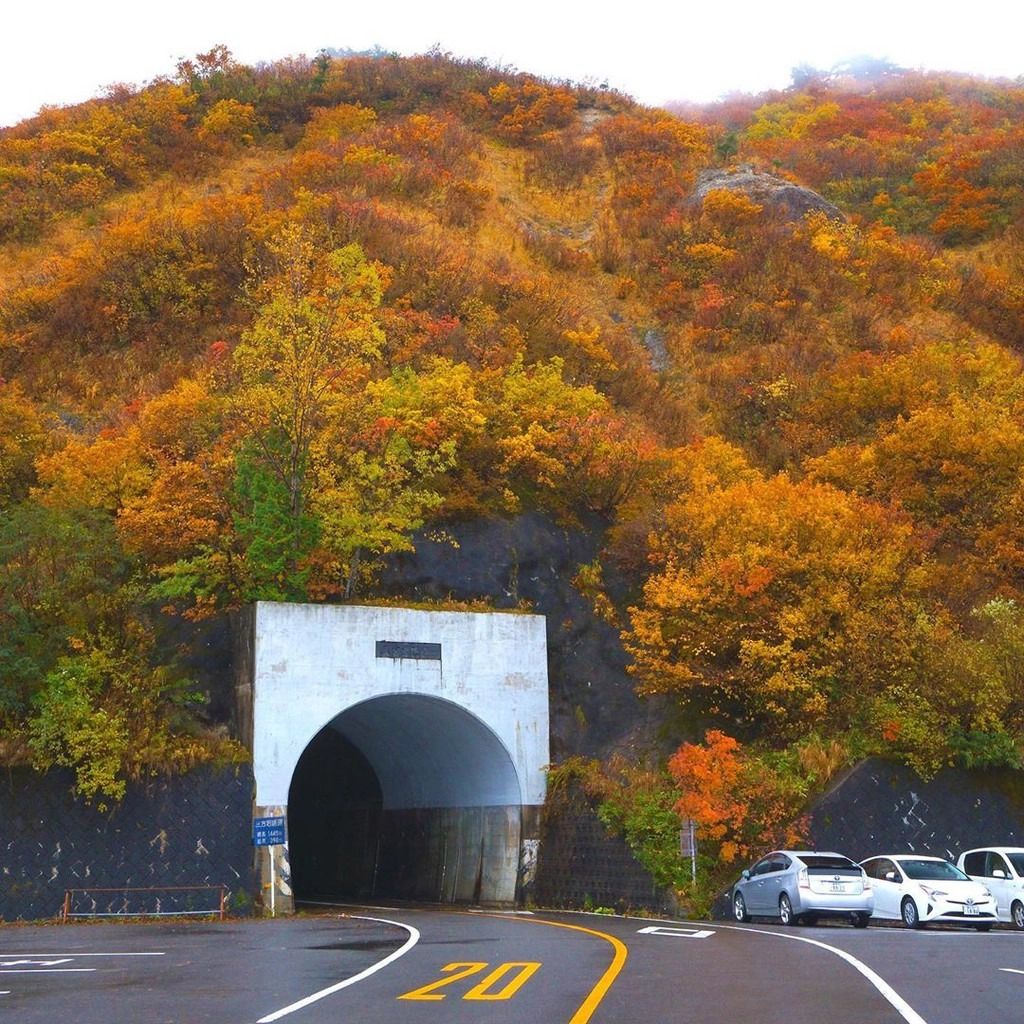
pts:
[739, 908]
[861, 920]
[1017, 915]
[909, 913]
[786, 914]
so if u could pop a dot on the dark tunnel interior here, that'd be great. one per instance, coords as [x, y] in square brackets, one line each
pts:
[334, 815]
[404, 797]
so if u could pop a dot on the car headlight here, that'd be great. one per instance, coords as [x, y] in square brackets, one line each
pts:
[930, 892]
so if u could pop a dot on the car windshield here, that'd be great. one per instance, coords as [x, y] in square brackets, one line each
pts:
[1017, 860]
[933, 870]
[828, 862]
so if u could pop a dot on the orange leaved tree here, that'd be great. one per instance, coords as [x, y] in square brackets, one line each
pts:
[741, 803]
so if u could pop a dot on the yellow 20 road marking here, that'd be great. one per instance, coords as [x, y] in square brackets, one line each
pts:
[479, 991]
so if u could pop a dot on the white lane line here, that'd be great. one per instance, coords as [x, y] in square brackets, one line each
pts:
[902, 1007]
[1011, 970]
[49, 970]
[414, 937]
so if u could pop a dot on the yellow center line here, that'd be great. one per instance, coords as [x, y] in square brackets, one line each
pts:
[600, 990]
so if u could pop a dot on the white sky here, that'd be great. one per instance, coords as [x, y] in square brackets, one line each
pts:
[66, 51]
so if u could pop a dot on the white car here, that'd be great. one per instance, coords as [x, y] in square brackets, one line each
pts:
[1001, 870]
[916, 890]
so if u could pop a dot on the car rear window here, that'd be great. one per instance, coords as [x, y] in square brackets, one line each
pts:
[829, 863]
[1017, 860]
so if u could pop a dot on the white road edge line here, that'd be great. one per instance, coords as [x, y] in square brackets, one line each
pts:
[902, 1007]
[414, 937]
[1011, 970]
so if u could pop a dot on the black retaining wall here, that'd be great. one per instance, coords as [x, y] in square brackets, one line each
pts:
[195, 829]
[880, 806]
[581, 867]
[883, 807]
[189, 830]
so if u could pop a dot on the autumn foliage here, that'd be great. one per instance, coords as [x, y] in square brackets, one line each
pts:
[739, 803]
[261, 327]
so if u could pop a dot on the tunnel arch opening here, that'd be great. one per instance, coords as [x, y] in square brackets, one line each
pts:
[407, 797]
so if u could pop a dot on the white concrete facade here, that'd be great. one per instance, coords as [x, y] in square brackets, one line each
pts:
[464, 696]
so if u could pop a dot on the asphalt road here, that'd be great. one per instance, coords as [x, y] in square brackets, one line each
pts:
[397, 966]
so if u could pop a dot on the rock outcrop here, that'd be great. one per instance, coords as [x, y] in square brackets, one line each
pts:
[529, 562]
[775, 194]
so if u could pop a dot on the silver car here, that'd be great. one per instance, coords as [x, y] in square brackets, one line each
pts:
[803, 885]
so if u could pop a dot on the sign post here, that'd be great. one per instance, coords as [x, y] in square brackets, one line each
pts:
[688, 845]
[270, 832]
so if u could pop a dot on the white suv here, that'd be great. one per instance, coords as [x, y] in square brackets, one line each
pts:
[1001, 868]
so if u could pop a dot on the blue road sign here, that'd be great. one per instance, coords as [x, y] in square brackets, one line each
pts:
[268, 832]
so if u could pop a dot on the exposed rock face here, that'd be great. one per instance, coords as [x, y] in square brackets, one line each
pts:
[774, 194]
[530, 562]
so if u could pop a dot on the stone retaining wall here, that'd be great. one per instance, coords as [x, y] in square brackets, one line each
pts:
[884, 807]
[195, 829]
[581, 867]
[189, 830]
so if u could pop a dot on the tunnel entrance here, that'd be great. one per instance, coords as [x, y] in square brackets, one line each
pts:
[407, 797]
[334, 810]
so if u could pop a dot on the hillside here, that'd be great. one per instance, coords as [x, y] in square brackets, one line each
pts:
[263, 328]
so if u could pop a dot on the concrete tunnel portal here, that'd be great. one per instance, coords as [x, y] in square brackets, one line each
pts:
[404, 748]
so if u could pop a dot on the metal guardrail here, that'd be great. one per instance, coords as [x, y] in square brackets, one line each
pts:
[141, 901]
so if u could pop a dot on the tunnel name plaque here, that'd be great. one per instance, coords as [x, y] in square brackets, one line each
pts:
[408, 649]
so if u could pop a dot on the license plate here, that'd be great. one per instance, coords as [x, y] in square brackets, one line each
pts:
[839, 887]
[971, 910]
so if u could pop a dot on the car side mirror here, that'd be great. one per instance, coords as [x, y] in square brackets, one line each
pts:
[890, 876]
[998, 873]
[744, 874]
